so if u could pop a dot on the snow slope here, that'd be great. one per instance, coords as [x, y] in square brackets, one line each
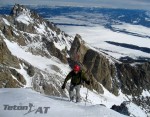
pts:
[42, 63]
[58, 106]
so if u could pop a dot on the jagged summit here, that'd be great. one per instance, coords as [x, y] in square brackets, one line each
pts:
[20, 9]
[25, 35]
[25, 15]
[35, 33]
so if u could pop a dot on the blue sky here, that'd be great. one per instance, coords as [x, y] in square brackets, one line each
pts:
[131, 4]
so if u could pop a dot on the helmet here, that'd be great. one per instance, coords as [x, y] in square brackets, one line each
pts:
[76, 68]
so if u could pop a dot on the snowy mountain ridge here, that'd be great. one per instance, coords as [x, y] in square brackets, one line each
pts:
[34, 40]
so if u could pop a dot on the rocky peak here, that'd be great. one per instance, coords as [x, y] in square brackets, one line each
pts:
[78, 49]
[20, 9]
[34, 33]
[31, 33]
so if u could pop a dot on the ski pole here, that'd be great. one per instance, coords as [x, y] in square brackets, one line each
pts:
[62, 91]
[86, 96]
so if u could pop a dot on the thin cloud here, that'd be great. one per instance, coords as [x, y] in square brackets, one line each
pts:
[128, 4]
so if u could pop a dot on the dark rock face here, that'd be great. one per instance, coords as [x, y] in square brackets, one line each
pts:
[6, 58]
[17, 75]
[54, 51]
[28, 67]
[134, 78]
[7, 31]
[78, 49]
[99, 67]
[23, 27]
[30, 71]
[143, 102]
[6, 74]
[121, 109]
[6, 79]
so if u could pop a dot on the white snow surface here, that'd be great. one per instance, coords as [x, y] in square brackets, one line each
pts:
[136, 111]
[146, 93]
[108, 99]
[42, 63]
[6, 21]
[26, 76]
[58, 106]
[24, 19]
[134, 28]
[40, 29]
[24, 16]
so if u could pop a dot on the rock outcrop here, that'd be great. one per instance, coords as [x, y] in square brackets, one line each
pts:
[121, 109]
[7, 75]
[6, 58]
[134, 79]
[112, 74]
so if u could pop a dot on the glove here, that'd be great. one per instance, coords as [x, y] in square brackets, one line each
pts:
[88, 82]
[63, 86]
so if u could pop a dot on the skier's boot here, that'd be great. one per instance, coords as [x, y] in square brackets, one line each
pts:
[71, 99]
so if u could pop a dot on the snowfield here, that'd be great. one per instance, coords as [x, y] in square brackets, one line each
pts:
[97, 37]
[56, 107]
